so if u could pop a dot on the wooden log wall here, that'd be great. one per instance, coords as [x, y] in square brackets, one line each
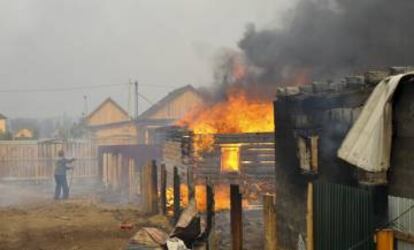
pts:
[256, 170]
[256, 161]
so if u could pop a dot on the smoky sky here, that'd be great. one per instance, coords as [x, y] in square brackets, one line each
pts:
[328, 37]
[164, 44]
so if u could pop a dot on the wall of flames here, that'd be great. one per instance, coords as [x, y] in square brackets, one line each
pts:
[238, 113]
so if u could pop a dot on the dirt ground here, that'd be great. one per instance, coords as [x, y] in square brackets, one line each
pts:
[79, 223]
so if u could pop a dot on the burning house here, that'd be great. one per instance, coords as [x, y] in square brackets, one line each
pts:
[325, 201]
[228, 142]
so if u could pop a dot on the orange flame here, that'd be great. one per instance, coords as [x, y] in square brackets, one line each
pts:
[239, 113]
[221, 197]
[230, 158]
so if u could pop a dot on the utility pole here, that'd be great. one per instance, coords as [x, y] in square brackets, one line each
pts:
[136, 100]
[85, 105]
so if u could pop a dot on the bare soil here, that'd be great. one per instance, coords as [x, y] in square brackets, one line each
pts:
[80, 223]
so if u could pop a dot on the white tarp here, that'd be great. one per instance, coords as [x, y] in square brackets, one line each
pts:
[368, 143]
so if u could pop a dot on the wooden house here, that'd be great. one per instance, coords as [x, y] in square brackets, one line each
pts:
[23, 133]
[245, 159]
[166, 112]
[110, 124]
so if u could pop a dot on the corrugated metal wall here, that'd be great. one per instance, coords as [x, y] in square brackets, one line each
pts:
[343, 217]
[396, 207]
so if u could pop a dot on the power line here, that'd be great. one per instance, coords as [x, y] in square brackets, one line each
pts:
[145, 98]
[63, 89]
[60, 89]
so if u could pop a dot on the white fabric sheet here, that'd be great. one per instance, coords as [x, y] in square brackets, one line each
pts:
[368, 143]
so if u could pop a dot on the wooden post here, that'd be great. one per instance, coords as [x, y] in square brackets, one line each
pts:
[176, 185]
[211, 239]
[269, 221]
[154, 188]
[385, 239]
[125, 176]
[144, 188]
[131, 179]
[236, 217]
[191, 192]
[163, 198]
[109, 168]
[114, 180]
[309, 219]
[150, 188]
[147, 187]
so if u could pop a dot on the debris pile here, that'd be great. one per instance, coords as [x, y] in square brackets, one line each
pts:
[188, 233]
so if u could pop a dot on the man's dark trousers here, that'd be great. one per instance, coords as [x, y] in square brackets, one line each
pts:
[61, 185]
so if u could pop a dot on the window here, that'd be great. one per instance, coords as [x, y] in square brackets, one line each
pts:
[308, 153]
[230, 158]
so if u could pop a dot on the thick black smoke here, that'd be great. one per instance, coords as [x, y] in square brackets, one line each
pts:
[329, 37]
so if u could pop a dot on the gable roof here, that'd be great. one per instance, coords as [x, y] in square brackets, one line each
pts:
[2, 117]
[171, 96]
[111, 101]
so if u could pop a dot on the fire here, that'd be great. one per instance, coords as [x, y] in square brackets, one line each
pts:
[238, 113]
[230, 158]
[183, 196]
[221, 197]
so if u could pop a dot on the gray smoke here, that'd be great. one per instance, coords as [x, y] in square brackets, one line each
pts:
[331, 37]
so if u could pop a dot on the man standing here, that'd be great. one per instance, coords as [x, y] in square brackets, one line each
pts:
[60, 175]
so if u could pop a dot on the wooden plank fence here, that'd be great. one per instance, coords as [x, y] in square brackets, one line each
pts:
[35, 160]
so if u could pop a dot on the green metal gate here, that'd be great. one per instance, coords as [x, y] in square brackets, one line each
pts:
[343, 217]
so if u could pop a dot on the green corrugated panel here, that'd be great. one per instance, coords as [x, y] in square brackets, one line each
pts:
[343, 217]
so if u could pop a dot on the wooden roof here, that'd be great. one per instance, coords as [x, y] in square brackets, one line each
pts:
[167, 99]
[110, 101]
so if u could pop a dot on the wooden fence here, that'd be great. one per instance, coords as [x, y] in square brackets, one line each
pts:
[120, 166]
[35, 160]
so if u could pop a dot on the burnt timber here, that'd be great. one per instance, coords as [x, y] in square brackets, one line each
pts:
[256, 159]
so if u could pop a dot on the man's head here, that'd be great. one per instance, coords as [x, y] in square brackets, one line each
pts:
[61, 153]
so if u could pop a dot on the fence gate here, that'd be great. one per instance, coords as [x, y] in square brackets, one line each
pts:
[343, 217]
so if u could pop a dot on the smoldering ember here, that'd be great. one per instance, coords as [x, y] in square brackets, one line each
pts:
[299, 136]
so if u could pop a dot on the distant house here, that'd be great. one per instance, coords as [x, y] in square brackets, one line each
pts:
[167, 111]
[3, 124]
[23, 133]
[110, 124]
